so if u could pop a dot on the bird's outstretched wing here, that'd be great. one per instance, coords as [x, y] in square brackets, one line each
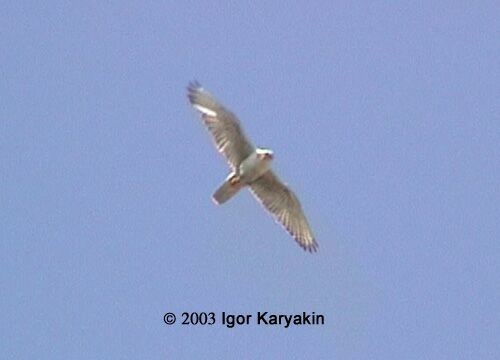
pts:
[285, 207]
[224, 126]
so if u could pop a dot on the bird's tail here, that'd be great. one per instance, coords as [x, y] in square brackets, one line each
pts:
[228, 189]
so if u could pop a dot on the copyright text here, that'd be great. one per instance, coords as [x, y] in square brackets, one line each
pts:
[230, 321]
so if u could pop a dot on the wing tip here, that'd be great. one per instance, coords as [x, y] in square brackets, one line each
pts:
[193, 88]
[193, 85]
[200, 99]
[311, 247]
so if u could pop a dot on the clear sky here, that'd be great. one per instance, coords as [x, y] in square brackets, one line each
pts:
[384, 118]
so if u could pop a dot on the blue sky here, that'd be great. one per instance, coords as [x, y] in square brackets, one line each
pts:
[384, 118]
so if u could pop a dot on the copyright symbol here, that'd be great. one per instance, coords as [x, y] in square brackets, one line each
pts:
[169, 318]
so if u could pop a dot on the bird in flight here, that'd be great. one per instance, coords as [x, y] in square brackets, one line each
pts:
[251, 166]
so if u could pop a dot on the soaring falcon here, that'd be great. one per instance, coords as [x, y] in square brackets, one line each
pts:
[251, 167]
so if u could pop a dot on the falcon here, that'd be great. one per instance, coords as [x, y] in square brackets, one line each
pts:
[250, 166]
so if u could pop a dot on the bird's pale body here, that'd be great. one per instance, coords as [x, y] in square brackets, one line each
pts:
[255, 165]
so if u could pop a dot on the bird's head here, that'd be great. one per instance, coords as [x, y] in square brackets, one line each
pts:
[264, 154]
